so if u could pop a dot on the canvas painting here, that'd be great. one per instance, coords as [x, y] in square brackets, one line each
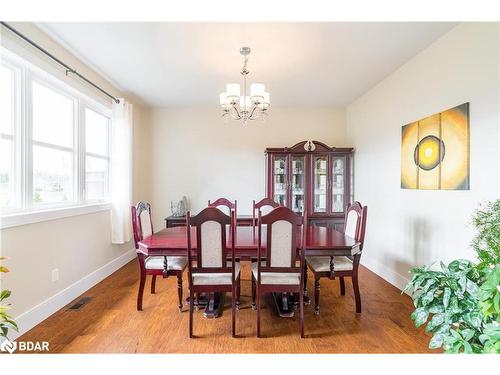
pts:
[435, 151]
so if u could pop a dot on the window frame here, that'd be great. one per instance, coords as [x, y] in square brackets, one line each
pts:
[26, 210]
[29, 203]
[16, 133]
[91, 106]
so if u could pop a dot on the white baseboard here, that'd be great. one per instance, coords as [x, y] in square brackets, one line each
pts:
[42, 311]
[389, 275]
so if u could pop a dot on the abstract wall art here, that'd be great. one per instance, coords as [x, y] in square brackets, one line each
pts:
[435, 151]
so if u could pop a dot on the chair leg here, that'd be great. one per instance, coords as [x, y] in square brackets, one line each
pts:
[342, 285]
[316, 296]
[301, 310]
[258, 312]
[191, 308]
[305, 279]
[233, 311]
[142, 282]
[253, 293]
[179, 290]
[153, 284]
[355, 286]
[238, 293]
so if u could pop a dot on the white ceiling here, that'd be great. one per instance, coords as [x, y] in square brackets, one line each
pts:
[302, 64]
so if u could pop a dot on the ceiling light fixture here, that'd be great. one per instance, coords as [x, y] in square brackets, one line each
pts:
[244, 107]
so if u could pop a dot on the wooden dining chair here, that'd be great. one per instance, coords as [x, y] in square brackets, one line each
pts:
[226, 203]
[264, 202]
[277, 270]
[212, 272]
[153, 265]
[342, 266]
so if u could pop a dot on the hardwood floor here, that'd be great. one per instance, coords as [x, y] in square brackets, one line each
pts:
[109, 323]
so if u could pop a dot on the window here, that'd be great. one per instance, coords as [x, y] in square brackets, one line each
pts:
[54, 143]
[53, 150]
[96, 155]
[8, 77]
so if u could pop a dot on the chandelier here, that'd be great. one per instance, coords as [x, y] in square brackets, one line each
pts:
[244, 107]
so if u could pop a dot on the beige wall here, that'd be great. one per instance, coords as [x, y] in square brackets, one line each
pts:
[78, 245]
[406, 228]
[194, 153]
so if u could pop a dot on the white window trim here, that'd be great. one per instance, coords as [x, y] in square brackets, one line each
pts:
[32, 217]
[26, 211]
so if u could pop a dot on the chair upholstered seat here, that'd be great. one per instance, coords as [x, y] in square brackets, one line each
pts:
[322, 263]
[276, 278]
[174, 263]
[216, 278]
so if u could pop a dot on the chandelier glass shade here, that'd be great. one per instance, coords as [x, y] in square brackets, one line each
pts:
[236, 104]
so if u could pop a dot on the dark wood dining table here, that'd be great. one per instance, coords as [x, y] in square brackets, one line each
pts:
[319, 241]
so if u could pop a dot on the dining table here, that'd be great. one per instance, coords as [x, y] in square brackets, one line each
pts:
[323, 241]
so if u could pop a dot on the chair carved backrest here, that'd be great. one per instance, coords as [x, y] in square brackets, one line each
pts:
[142, 224]
[211, 240]
[355, 222]
[264, 202]
[282, 226]
[224, 202]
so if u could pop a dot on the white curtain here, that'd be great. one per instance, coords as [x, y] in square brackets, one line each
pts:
[121, 171]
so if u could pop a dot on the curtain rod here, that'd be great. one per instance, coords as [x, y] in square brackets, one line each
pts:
[66, 66]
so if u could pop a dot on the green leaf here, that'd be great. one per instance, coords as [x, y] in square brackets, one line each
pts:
[436, 341]
[419, 316]
[4, 294]
[462, 282]
[467, 348]
[496, 303]
[428, 284]
[455, 334]
[428, 297]
[435, 322]
[453, 302]
[12, 323]
[474, 318]
[436, 308]
[446, 297]
[483, 338]
[472, 288]
[467, 334]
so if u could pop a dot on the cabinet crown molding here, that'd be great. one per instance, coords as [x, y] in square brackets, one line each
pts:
[303, 147]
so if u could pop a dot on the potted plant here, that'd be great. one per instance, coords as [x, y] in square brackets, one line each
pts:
[460, 302]
[6, 321]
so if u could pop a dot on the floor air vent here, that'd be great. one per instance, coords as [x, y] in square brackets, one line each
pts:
[78, 305]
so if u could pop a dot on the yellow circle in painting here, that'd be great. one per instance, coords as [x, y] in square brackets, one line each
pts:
[429, 152]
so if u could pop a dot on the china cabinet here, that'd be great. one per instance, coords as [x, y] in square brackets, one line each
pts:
[312, 176]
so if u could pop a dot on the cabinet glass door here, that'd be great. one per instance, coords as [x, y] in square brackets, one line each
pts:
[280, 179]
[320, 175]
[298, 183]
[338, 191]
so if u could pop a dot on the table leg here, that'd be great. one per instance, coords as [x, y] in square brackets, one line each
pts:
[215, 305]
[165, 267]
[202, 300]
[284, 304]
